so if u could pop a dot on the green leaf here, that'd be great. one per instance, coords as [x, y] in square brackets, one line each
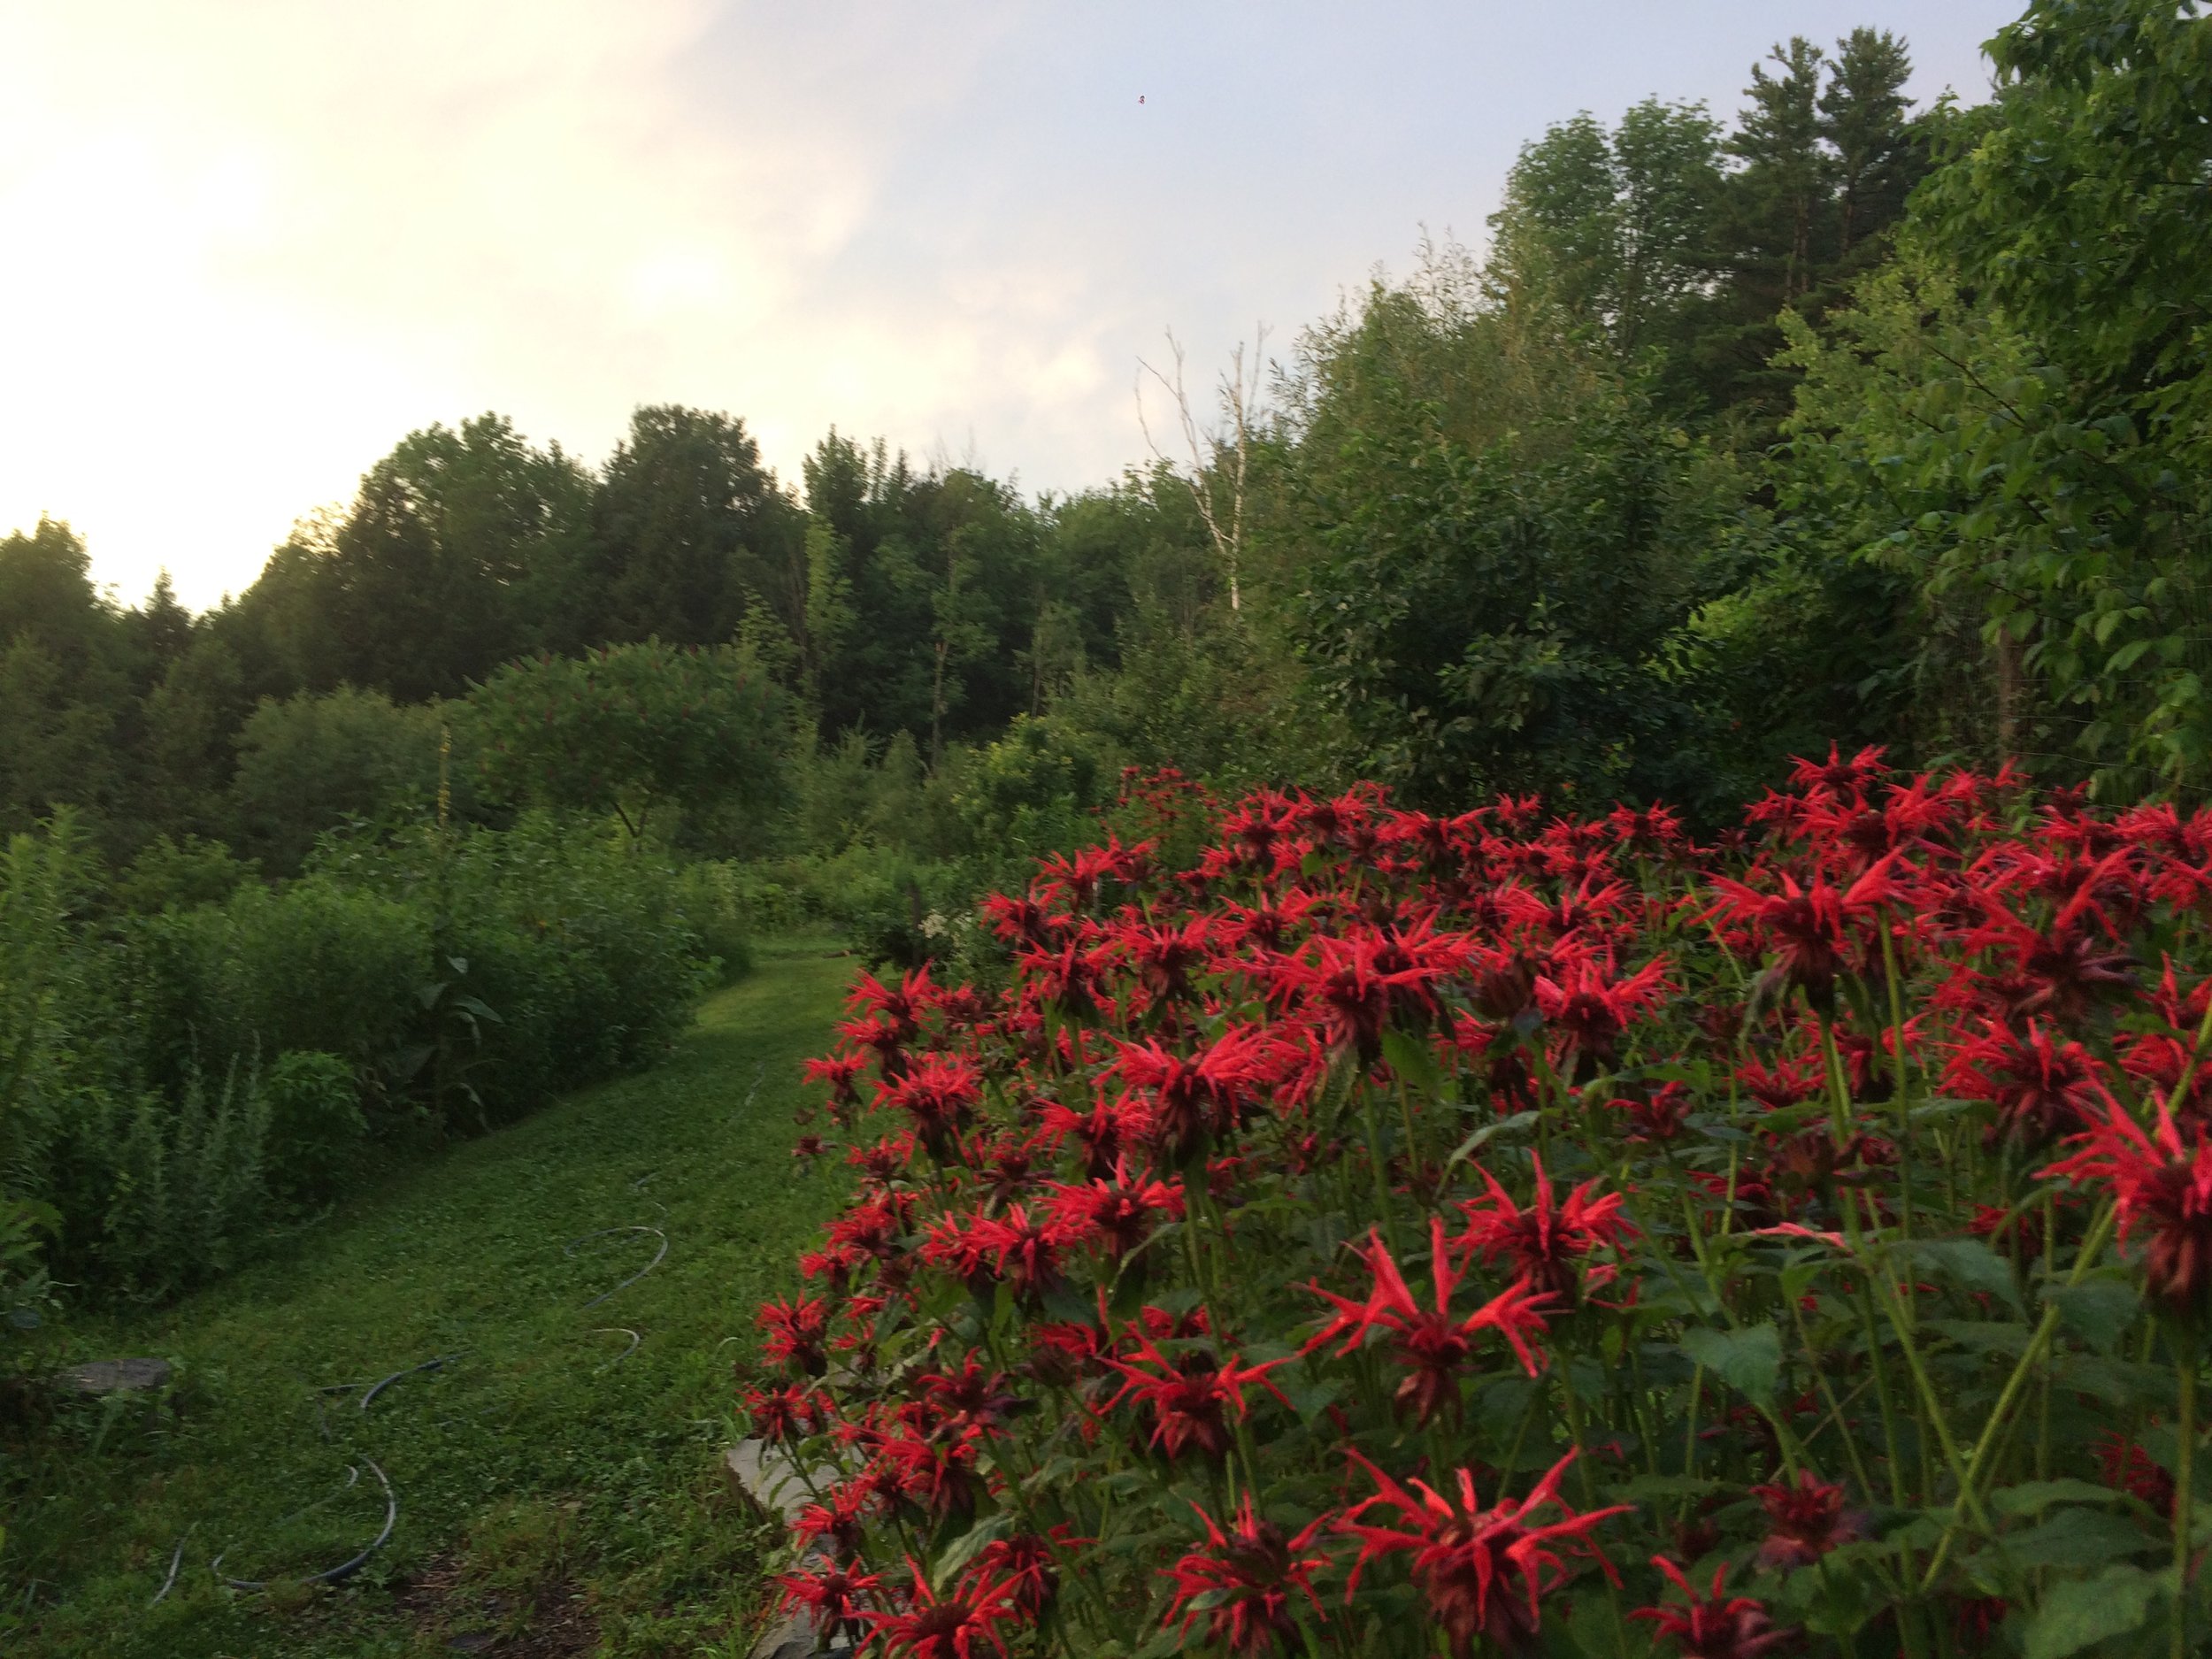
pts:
[2031, 1497]
[1309, 1400]
[2079, 1613]
[962, 1550]
[2117, 1382]
[1969, 1264]
[2077, 1537]
[1064, 1303]
[1747, 1360]
[1413, 1061]
[1475, 1142]
[1597, 1629]
[1837, 1604]
[2101, 1311]
[1986, 1336]
[1657, 1488]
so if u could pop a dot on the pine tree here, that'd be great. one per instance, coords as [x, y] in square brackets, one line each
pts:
[1863, 117]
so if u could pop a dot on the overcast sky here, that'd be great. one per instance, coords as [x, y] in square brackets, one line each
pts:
[249, 243]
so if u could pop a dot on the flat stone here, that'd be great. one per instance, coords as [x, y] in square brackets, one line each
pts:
[115, 1376]
[766, 1476]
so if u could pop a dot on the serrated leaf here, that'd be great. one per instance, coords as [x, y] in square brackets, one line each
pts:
[1748, 1360]
[1969, 1264]
[2101, 1311]
[1412, 1060]
[2032, 1497]
[2079, 1613]
[2077, 1537]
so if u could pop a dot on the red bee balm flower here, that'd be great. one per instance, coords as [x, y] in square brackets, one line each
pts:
[940, 1094]
[1120, 1214]
[955, 1626]
[1464, 1553]
[1190, 1396]
[1247, 1576]
[1199, 1102]
[1810, 929]
[1029, 1563]
[2041, 1086]
[1807, 1519]
[1712, 1626]
[792, 1332]
[1592, 1009]
[1547, 1240]
[2126, 1467]
[2163, 1188]
[1429, 1342]
[833, 1595]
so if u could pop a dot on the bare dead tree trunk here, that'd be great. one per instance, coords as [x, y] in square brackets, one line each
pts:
[1240, 396]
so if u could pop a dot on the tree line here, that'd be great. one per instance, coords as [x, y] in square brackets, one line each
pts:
[1843, 420]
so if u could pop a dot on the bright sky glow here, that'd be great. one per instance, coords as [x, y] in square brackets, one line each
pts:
[251, 243]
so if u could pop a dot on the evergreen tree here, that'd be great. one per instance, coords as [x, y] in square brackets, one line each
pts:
[1863, 117]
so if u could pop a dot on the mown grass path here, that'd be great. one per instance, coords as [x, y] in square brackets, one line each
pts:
[556, 1495]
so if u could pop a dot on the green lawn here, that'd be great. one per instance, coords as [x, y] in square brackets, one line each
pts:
[555, 1496]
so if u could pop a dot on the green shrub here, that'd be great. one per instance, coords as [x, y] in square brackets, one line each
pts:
[421, 981]
[318, 965]
[315, 1126]
[563, 954]
[311, 761]
[718, 912]
[156, 1195]
[170, 875]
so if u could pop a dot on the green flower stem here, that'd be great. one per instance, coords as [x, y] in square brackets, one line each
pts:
[1835, 1409]
[1900, 1320]
[1384, 1209]
[1904, 1098]
[1689, 1433]
[2184, 1472]
[2100, 1231]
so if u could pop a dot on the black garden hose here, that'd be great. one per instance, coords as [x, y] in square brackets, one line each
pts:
[346, 1569]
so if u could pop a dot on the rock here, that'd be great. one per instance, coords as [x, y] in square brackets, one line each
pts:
[767, 1478]
[115, 1376]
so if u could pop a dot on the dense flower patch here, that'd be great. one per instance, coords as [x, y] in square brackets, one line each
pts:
[1504, 1235]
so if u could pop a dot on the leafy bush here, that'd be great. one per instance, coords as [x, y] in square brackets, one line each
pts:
[176, 875]
[318, 965]
[309, 763]
[156, 1195]
[558, 955]
[631, 728]
[42, 878]
[423, 982]
[720, 911]
[1394, 1234]
[315, 1126]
